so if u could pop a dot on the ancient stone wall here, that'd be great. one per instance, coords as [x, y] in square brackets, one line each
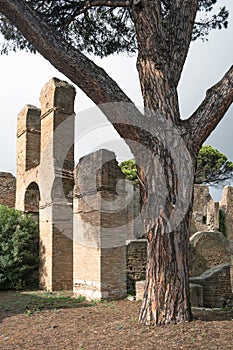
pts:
[28, 152]
[208, 249]
[205, 214]
[45, 162]
[7, 189]
[216, 286]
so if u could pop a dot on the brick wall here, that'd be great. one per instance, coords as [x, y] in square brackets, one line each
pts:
[216, 286]
[7, 189]
[208, 249]
[136, 254]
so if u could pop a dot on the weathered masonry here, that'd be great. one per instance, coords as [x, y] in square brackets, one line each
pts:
[44, 179]
[90, 231]
[7, 189]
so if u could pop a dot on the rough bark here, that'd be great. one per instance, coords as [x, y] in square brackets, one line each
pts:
[166, 169]
[178, 29]
[163, 44]
[160, 63]
[166, 297]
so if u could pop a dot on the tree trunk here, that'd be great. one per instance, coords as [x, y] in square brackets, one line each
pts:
[166, 165]
[166, 170]
[166, 296]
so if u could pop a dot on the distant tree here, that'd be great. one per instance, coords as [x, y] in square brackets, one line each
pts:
[213, 167]
[18, 249]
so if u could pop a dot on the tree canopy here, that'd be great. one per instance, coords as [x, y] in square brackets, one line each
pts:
[213, 168]
[93, 27]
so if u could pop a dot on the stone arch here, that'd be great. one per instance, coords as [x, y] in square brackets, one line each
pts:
[32, 198]
[31, 206]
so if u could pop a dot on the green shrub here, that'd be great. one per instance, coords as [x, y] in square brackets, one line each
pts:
[129, 168]
[18, 249]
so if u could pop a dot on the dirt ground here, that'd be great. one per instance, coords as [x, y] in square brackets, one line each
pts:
[39, 320]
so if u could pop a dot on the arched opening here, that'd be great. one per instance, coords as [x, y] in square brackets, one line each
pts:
[32, 199]
[31, 206]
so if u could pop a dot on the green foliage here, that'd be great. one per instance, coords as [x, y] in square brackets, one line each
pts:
[129, 168]
[222, 224]
[213, 167]
[18, 248]
[102, 30]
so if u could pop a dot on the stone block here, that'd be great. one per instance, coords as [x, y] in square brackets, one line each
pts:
[208, 249]
[140, 288]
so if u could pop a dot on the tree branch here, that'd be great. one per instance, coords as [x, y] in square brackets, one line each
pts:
[178, 27]
[83, 72]
[84, 6]
[147, 16]
[210, 112]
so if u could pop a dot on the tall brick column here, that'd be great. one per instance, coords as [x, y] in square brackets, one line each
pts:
[226, 205]
[56, 185]
[99, 228]
[28, 151]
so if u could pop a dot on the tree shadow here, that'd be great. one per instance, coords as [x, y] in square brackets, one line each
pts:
[31, 302]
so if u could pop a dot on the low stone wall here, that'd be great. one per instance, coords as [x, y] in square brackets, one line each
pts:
[208, 249]
[216, 287]
[211, 289]
[7, 189]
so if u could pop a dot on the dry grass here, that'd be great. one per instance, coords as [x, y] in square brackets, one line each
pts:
[39, 320]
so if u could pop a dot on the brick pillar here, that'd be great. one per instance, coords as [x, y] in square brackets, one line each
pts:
[99, 227]
[227, 207]
[56, 185]
[213, 215]
[28, 151]
[231, 265]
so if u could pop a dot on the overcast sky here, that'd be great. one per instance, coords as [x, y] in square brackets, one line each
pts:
[23, 76]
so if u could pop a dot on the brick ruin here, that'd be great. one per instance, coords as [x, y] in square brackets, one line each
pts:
[7, 189]
[90, 230]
